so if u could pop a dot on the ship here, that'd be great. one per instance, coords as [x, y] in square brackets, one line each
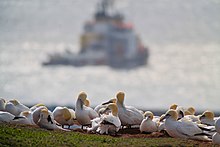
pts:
[106, 40]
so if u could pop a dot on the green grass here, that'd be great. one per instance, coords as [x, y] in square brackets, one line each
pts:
[20, 135]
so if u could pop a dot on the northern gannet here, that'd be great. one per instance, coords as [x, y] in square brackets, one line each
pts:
[84, 114]
[127, 114]
[149, 124]
[183, 128]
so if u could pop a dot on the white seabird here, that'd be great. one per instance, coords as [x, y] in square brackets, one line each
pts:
[15, 107]
[110, 123]
[148, 125]
[21, 107]
[183, 129]
[36, 113]
[47, 122]
[29, 116]
[84, 114]
[6, 117]
[127, 114]
[64, 116]
[207, 118]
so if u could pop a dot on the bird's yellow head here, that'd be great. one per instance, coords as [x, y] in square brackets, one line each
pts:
[170, 114]
[87, 102]
[66, 114]
[82, 96]
[173, 106]
[149, 114]
[208, 115]
[191, 110]
[187, 113]
[114, 109]
[44, 113]
[120, 97]
[14, 101]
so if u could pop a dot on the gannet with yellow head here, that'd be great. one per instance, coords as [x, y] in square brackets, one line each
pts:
[15, 107]
[207, 118]
[47, 122]
[183, 129]
[110, 123]
[127, 114]
[84, 114]
[149, 124]
[64, 116]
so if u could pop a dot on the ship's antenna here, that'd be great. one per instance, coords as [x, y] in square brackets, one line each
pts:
[107, 6]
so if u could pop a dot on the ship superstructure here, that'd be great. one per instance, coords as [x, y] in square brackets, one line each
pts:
[106, 40]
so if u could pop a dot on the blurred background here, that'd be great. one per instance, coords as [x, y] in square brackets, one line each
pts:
[183, 38]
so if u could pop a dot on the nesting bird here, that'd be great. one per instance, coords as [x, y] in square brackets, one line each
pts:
[148, 125]
[107, 123]
[47, 122]
[183, 129]
[6, 117]
[15, 107]
[207, 118]
[36, 113]
[84, 114]
[29, 116]
[64, 116]
[127, 114]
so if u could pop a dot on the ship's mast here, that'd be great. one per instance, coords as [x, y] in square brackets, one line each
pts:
[105, 9]
[107, 6]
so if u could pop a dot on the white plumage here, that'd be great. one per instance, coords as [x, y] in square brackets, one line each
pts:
[110, 123]
[127, 114]
[6, 117]
[47, 122]
[207, 118]
[182, 128]
[64, 116]
[84, 114]
[15, 107]
[216, 136]
[149, 124]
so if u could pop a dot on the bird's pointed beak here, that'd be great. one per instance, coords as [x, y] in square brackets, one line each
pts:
[164, 116]
[107, 102]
